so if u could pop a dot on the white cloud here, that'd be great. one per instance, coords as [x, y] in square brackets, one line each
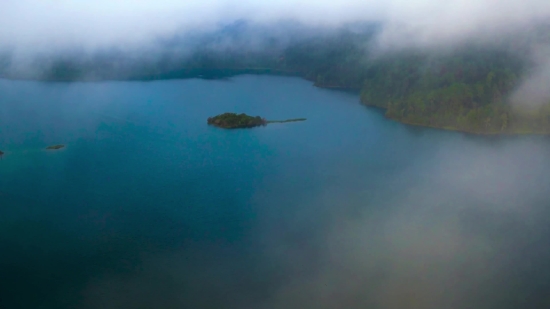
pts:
[32, 24]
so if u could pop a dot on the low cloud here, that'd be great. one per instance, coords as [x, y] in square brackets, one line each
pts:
[432, 23]
[534, 92]
[34, 25]
[461, 228]
[450, 240]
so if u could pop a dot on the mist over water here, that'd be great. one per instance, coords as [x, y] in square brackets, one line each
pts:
[148, 207]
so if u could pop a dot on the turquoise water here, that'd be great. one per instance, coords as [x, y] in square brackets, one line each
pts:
[148, 207]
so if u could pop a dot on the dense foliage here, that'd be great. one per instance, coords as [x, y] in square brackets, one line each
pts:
[467, 90]
[234, 121]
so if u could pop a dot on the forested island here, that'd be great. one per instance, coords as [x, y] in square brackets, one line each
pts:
[467, 89]
[237, 121]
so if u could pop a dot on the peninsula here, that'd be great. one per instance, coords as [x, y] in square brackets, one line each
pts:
[236, 121]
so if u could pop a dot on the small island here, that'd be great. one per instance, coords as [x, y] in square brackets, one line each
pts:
[55, 147]
[235, 121]
[1, 154]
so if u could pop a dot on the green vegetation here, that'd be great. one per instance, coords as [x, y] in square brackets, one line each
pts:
[469, 92]
[235, 121]
[465, 90]
[55, 147]
[468, 89]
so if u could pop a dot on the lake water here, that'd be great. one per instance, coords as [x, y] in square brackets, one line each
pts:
[148, 207]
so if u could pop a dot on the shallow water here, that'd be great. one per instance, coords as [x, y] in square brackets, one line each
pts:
[148, 207]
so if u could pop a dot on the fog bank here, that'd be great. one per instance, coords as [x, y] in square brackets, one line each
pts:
[34, 25]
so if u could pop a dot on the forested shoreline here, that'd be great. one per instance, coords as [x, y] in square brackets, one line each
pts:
[466, 89]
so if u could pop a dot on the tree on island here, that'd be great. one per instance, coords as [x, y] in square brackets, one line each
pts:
[235, 121]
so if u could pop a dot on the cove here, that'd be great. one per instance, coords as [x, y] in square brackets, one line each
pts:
[149, 207]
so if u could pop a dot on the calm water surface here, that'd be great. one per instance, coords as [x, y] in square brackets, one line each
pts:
[148, 207]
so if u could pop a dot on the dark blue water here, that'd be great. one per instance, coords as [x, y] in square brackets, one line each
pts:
[148, 207]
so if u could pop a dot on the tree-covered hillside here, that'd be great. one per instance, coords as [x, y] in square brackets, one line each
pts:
[468, 89]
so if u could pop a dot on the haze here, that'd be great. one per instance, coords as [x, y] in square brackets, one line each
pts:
[461, 226]
[34, 25]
